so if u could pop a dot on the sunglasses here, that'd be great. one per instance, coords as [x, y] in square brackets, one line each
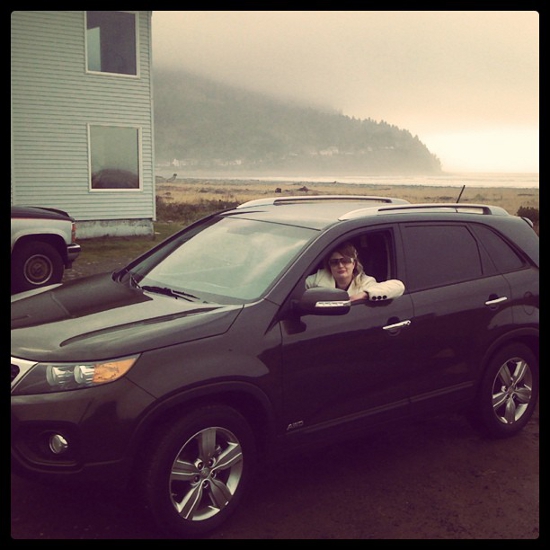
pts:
[336, 261]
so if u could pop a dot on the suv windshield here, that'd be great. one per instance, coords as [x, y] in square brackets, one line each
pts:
[227, 258]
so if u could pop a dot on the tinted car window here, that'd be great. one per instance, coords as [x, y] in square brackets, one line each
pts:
[503, 255]
[440, 254]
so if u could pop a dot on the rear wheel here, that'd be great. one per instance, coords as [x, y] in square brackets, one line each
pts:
[197, 471]
[35, 264]
[508, 392]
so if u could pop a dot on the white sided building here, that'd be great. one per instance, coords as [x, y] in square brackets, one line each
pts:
[82, 118]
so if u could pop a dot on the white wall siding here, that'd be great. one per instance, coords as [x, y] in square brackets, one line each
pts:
[52, 102]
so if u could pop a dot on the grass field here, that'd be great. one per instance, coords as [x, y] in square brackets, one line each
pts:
[195, 191]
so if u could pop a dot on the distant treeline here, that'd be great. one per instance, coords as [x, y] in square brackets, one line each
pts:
[207, 125]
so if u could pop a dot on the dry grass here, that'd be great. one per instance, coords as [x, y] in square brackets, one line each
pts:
[195, 191]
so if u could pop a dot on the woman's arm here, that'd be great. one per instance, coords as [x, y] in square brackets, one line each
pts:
[367, 288]
[386, 290]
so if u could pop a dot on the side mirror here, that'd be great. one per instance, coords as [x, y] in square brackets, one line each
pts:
[324, 301]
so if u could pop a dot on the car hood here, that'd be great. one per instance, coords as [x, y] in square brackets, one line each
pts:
[39, 212]
[98, 318]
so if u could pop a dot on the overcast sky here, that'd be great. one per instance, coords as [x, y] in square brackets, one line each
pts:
[465, 82]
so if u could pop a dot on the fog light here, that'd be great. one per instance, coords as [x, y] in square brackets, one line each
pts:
[58, 444]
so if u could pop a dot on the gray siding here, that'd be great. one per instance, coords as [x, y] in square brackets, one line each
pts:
[53, 100]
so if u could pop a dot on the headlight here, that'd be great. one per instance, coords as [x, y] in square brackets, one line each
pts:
[53, 377]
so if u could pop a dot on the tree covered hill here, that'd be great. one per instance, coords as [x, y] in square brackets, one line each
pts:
[203, 124]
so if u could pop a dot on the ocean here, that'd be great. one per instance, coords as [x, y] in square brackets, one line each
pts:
[458, 179]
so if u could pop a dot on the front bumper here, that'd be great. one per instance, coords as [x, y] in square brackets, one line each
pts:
[73, 251]
[97, 425]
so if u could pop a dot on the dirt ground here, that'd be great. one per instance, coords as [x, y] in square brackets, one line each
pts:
[435, 479]
[431, 480]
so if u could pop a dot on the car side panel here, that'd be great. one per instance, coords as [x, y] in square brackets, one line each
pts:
[34, 227]
[452, 328]
[342, 369]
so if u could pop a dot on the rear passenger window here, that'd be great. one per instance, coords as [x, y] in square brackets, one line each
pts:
[503, 255]
[438, 255]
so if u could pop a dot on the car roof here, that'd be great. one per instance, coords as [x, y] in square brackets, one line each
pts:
[320, 211]
[315, 212]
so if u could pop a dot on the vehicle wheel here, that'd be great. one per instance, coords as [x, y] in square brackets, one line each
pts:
[197, 471]
[35, 264]
[508, 392]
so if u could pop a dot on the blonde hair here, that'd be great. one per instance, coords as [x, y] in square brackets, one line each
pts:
[349, 251]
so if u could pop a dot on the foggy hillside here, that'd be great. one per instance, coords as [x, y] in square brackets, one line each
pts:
[206, 125]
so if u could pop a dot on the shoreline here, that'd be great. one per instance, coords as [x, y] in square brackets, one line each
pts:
[477, 180]
[314, 182]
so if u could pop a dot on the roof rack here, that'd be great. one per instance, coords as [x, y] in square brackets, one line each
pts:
[277, 201]
[428, 207]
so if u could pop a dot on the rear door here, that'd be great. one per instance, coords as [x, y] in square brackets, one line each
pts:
[461, 303]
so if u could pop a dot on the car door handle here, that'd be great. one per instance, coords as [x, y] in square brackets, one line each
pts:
[395, 326]
[495, 301]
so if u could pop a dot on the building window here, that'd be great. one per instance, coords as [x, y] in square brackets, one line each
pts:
[115, 157]
[111, 42]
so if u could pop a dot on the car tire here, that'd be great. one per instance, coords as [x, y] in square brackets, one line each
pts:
[508, 392]
[198, 470]
[35, 264]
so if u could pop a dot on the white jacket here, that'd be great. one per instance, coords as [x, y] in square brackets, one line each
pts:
[386, 290]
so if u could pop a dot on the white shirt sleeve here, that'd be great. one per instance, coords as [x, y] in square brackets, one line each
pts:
[386, 290]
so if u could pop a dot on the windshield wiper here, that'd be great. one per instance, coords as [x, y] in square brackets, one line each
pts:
[169, 292]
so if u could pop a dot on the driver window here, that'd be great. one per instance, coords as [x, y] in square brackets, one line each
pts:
[375, 252]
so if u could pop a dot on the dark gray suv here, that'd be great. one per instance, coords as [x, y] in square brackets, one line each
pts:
[179, 373]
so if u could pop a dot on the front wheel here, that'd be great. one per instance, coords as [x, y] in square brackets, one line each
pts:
[508, 392]
[197, 471]
[35, 264]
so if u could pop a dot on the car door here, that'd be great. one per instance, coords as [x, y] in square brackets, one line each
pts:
[345, 370]
[461, 303]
